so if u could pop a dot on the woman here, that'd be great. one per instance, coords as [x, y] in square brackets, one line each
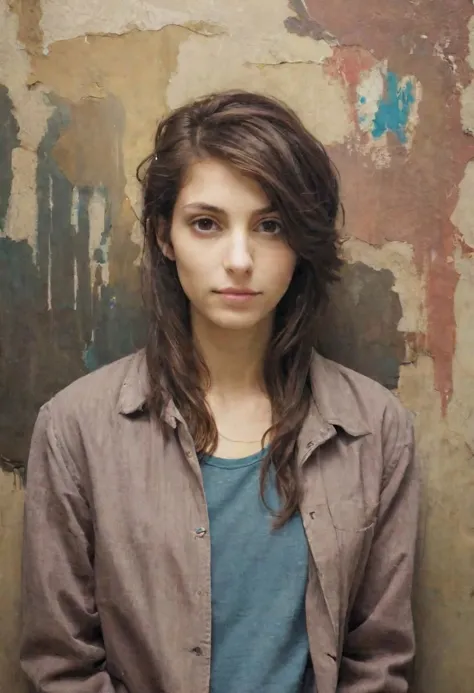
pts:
[226, 511]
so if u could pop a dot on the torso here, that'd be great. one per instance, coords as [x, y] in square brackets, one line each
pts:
[149, 522]
[258, 583]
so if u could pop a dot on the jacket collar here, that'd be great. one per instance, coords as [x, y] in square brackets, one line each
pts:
[135, 389]
[336, 400]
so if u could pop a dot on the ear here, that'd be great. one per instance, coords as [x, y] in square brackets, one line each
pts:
[166, 246]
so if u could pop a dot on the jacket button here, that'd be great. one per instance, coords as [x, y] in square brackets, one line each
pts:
[197, 651]
[200, 532]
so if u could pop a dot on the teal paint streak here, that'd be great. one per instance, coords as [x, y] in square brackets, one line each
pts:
[90, 357]
[394, 109]
[119, 325]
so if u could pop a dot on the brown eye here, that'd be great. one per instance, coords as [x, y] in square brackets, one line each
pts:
[272, 227]
[204, 225]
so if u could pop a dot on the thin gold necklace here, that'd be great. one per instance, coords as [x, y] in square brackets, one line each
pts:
[232, 440]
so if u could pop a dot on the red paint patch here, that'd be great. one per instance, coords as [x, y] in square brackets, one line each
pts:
[466, 249]
[349, 64]
[442, 280]
[413, 199]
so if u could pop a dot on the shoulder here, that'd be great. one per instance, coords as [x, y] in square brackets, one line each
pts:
[96, 399]
[102, 387]
[360, 405]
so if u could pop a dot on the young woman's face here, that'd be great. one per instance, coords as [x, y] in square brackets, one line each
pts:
[231, 256]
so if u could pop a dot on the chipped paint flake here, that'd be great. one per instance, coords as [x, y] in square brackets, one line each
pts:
[31, 107]
[470, 56]
[463, 215]
[99, 233]
[75, 208]
[467, 109]
[243, 21]
[23, 209]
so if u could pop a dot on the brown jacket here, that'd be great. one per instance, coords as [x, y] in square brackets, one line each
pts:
[116, 573]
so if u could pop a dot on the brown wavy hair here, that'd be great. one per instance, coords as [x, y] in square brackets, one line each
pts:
[265, 140]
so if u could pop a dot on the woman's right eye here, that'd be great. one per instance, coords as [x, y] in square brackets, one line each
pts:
[204, 225]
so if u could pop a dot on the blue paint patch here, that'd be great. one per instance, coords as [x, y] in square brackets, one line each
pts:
[90, 357]
[393, 110]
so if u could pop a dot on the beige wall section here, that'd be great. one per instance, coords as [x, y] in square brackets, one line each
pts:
[112, 70]
[11, 512]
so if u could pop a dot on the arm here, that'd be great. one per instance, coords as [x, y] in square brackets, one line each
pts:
[62, 649]
[379, 646]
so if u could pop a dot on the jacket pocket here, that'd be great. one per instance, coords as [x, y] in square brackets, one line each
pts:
[352, 515]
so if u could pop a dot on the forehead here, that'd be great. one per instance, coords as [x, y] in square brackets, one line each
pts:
[222, 185]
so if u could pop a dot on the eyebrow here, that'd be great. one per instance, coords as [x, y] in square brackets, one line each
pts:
[204, 206]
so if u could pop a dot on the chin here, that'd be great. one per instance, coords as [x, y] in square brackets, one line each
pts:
[236, 321]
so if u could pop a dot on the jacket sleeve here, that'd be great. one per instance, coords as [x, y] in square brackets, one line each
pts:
[379, 646]
[62, 649]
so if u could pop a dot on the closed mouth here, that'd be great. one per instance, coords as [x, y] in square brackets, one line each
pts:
[237, 292]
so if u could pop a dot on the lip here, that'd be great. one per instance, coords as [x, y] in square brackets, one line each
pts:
[231, 291]
[237, 296]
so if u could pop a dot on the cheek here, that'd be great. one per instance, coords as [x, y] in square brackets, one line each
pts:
[192, 271]
[280, 267]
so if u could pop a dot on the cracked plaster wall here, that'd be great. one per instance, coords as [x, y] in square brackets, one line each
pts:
[388, 88]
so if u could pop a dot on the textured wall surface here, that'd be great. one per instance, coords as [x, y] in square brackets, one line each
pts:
[389, 88]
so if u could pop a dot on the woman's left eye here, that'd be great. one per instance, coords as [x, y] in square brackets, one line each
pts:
[204, 225]
[270, 226]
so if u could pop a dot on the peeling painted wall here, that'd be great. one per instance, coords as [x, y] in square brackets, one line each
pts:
[389, 88]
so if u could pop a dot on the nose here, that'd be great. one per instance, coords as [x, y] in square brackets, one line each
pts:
[239, 256]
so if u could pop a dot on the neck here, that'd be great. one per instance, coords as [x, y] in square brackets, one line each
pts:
[234, 358]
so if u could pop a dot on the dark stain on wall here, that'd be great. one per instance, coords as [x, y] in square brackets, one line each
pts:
[8, 141]
[51, 310]
[303, 25]
[20, 350]
[359, 329]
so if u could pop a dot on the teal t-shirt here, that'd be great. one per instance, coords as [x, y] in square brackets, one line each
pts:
[258, 581]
